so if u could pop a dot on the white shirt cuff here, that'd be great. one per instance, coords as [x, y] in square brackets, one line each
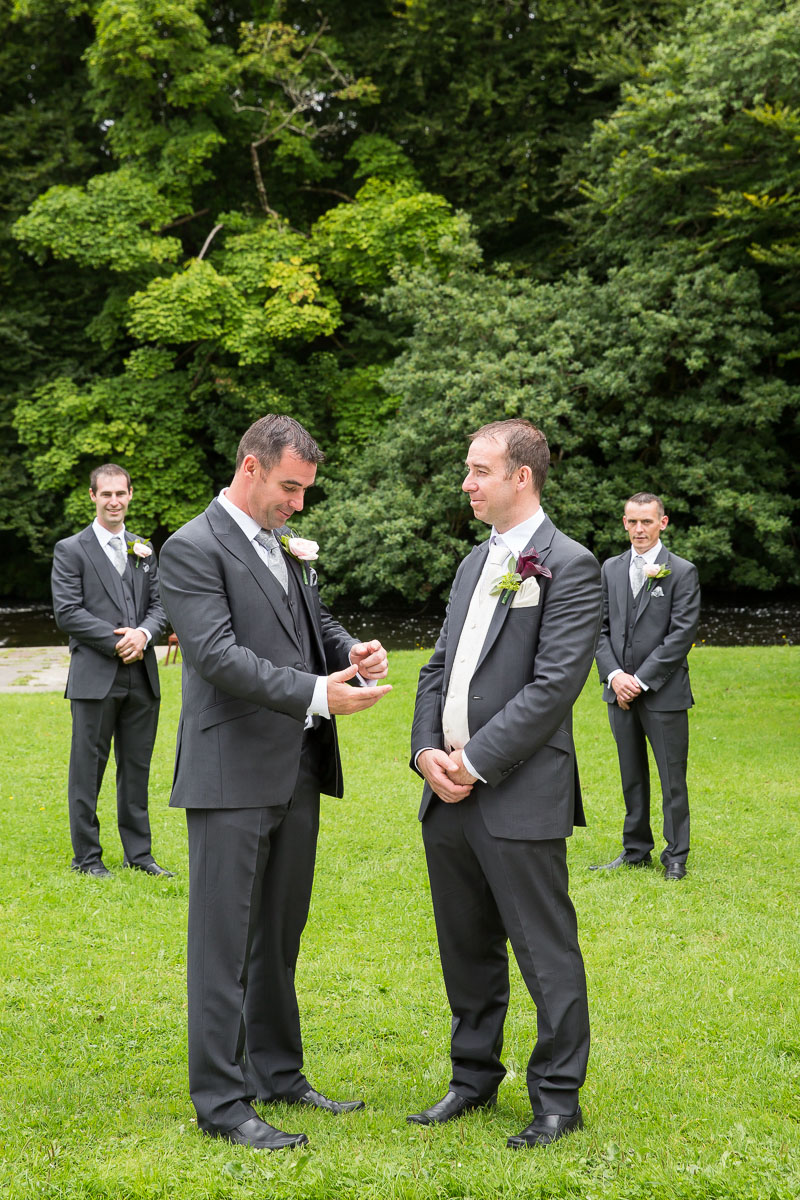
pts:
[611, 675]
[147, 634]
[364, 682]
[319, 701]
[469, 767]
[642, 685]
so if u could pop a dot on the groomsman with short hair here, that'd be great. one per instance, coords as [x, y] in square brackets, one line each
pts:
[492, 737]
[651, 607]
[106, 597]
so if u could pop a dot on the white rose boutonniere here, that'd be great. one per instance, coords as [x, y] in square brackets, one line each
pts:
[140, 548]
[303, 549]
[654, 571]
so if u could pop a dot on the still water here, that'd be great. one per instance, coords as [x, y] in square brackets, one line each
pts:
[772, 623]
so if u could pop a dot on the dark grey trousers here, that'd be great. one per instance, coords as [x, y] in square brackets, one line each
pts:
[129, 715]
[251, 872]
[668, 734]
[488, 890]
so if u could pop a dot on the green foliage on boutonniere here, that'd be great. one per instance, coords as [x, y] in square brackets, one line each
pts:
[140, 548]
[654, 571]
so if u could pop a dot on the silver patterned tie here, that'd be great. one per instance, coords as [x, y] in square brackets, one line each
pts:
[120, 557]
[637, 575]
[275, 560]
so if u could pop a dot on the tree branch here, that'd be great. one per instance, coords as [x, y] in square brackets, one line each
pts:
[201, 212]
[208, 240]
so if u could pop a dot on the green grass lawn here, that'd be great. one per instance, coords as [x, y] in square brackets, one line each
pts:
[694, 1079]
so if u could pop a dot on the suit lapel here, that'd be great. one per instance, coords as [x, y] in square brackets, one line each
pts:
[106, 572]
[644, 598]
[138, 574]
[620, 582]
[541, 542]
[234, 540]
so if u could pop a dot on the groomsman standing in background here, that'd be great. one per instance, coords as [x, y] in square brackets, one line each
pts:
[651, 607]
[105, 596]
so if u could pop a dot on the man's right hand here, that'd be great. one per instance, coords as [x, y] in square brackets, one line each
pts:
[626, 689]
[434, 765]
[344, 699]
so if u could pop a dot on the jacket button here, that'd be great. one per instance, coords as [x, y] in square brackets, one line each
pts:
[299, 667]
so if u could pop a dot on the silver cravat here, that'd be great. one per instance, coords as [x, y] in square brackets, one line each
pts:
[120, 557]
[637, 575]
[275, 560]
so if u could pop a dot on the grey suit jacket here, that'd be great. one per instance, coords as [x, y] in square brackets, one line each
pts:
[246, 687]
[532, 667]
[664, 632]
[89, 605]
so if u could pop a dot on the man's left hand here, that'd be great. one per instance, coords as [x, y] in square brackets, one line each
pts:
[131, 645]
[459, 773]
[371, 660]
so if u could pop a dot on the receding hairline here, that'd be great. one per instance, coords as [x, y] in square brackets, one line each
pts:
[111, 475]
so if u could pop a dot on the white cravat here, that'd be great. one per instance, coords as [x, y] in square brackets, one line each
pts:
[118, 555]
[636, 574]
[482, 606]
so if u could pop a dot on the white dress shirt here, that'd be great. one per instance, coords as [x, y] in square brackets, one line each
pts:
[649, 556]
[104, 537]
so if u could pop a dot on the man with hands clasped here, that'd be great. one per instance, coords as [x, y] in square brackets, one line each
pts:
[492, 738]
[651, 607]
[106, 597]
[266, 669]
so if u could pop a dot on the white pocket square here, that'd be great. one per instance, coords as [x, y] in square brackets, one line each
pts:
[657, 591]
[312, 577]
[528, 594]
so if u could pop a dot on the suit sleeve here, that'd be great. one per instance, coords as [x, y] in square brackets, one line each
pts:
[155, 619]
[606, 658]
[197, 605]
[684, 617]
[567, 639]
[71, 615]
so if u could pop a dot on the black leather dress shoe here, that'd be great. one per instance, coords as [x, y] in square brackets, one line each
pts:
[544, 1130]
[258, 1135]
[317, 1100]
[450, 1107]
[675, 870]
[95, 869]
[151, 868]
[623, 861]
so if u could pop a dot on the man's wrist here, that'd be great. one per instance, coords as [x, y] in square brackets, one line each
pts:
[319, 700]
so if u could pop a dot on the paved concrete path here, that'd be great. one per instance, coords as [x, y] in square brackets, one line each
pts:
[38, 668]
[33, 668]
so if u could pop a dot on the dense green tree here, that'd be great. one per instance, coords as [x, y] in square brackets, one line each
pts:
[486, 97]
[46, 136]
[652, 380]
[220, 211]
[704, 148]
[212, 314]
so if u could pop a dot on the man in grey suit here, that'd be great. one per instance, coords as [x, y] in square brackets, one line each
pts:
[265, 668]
[492, 737]
[651, 607]
[105, 596]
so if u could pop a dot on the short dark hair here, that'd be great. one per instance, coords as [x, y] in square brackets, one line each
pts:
[269, 436]
[526, 446]
[646, 498]
[107, 469]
